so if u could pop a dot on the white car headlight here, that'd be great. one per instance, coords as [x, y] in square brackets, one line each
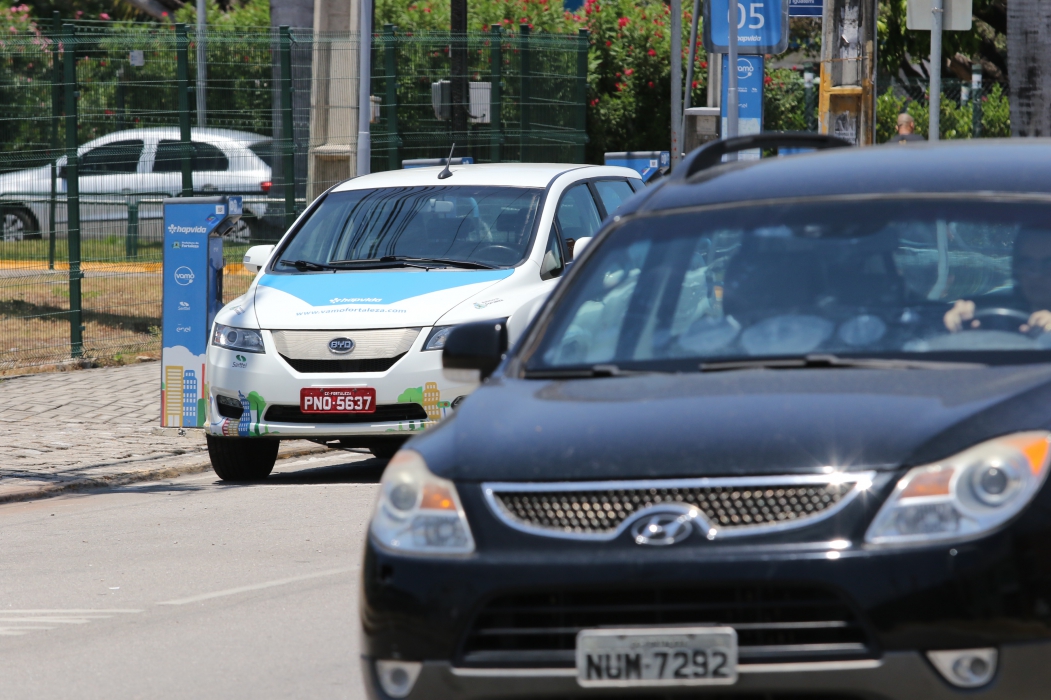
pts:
[436, 340]
[242, 339]
[418, 512]
[966, 495]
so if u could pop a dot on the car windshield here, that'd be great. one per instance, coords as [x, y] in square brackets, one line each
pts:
[956, 278]
[487, 226]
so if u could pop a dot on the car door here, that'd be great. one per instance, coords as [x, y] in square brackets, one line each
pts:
[107, 174]
[577, 216]
[209, 165]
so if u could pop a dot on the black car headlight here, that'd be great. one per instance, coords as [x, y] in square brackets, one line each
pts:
[966, 495]
[242, 339]
[418, 512]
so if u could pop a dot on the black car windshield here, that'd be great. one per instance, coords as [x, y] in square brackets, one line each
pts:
[963, 278]
[485, 226]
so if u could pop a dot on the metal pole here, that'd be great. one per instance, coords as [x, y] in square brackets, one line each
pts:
[938, 10]
[582, 94]
[715, 79]
[976, 101]
[460, 89]
[202, 62]
[526, 97]
[692, 56]
[288, 163]
[676, 82]
[496, 66]
[390, 79]
[182, 75]
[808, 98]
[56, 109]
[732, 96]
[76, 316]
[365, 89]
[131, 238]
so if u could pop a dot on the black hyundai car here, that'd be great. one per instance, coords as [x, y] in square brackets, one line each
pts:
[782, 432]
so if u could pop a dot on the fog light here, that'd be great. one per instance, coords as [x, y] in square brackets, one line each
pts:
[398, 677]
[965, 668]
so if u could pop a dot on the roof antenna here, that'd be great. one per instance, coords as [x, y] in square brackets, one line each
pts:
[447, 173]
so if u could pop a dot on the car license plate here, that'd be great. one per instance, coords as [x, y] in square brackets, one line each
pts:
[342, 400]
[660, 656]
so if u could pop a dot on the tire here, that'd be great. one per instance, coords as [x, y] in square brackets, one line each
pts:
[240, 459]
[18, 224]
[385, 450]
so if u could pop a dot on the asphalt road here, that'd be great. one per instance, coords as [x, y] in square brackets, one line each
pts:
[189, 588]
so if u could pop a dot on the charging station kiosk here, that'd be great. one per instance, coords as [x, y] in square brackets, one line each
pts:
[651, 165]
[193, 295]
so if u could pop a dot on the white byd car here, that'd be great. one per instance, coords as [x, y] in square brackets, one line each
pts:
[339, 335]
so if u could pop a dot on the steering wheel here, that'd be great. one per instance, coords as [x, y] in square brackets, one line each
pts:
[512, 254]
[1003, 318]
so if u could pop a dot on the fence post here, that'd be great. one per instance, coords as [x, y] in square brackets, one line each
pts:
[582, 96]
[526, 97]
[76, 316]
[977, 92]
[288, 162]
[390, 76]
[496, 65]
[131, 239]
[56, 110]
[182, 51]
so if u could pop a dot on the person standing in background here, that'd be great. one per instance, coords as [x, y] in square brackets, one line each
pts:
[906, 130]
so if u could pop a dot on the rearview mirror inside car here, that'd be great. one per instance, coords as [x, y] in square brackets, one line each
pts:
[474, 350]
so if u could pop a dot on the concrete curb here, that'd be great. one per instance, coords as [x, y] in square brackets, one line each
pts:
[134, 476]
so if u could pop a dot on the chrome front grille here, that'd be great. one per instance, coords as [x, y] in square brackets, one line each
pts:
[368, 345]
[725, 506]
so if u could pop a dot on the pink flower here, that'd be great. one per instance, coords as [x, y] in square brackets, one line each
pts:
[629, 71]
[651, 52]
[623, 21]
[650, 83]
[104, 16]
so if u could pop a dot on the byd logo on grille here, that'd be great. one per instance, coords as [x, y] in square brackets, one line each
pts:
[184, 275]
[340, 346]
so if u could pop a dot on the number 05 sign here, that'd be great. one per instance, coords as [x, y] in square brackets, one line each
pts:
[762, 26]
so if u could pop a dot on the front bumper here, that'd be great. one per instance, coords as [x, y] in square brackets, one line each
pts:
[1024, 674]
[261, 381]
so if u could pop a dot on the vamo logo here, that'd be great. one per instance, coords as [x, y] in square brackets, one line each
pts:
[184, 275]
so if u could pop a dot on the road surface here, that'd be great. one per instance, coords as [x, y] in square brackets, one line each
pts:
[189, 588]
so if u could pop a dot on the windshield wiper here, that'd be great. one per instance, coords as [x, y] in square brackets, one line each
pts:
[466, 264]
[307, 266]
[835, 362]
[385, 261]
[587, 372]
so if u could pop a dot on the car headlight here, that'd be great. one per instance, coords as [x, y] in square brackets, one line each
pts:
[438, 336]
[966, 495]
[242, 339]
[418, 512]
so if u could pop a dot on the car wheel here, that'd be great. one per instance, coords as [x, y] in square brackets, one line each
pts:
[19, 224]
[239, 459]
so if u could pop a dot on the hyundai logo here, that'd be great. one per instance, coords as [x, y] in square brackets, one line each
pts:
[184, 275]
[340, 346]
[662, 529]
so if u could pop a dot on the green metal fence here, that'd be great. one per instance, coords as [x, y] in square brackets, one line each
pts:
[101, 122]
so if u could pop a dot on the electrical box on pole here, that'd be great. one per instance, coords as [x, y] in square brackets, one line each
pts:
[848, 70]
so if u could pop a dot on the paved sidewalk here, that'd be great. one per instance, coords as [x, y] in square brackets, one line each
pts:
[96, 427]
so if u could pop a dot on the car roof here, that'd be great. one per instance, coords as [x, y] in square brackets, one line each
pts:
[1015, 166]
[497, 174]
[172, 132]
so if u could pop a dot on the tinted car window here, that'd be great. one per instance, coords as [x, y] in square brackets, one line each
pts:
[613, 193]
[491, 225]
[116, 157]
[265, 151]
[789, 280]
[578, 216]
[205, 157]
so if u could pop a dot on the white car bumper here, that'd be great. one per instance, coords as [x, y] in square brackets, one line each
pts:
[410, 396]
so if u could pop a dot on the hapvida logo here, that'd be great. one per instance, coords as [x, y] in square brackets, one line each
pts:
[173, 228]
[355, 300]
[184, 275]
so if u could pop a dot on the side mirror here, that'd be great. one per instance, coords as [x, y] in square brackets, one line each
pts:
[256, 257]
[473, 351]
[550, 267]
[579, 245]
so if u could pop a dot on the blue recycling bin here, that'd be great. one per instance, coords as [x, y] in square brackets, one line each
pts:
[649, 164]
[193, 295]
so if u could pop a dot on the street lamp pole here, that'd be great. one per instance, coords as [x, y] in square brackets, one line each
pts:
[364, 89]
[732, 96]
[938, 9]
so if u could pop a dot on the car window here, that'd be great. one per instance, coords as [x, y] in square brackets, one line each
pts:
[116, 157]
[788, 280]
[578, 216]
[205, 157]
[265, 151]
[613, 193]
[553, 264]
[490, 225]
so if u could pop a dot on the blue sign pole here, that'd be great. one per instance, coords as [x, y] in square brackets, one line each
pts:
[749, 97]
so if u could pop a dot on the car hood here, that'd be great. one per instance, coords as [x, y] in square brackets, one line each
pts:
[732, 423]
[366, 298]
